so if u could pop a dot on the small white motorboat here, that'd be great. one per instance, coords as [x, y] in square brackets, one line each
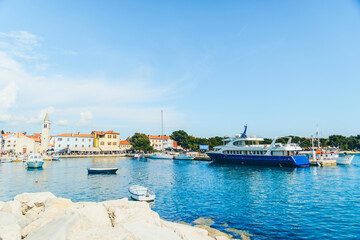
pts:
[34, 161]
[183, 156]
[161, 156]
[345, 160]
[141, 193]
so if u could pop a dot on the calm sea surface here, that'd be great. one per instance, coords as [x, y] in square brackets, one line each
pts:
[268, 203]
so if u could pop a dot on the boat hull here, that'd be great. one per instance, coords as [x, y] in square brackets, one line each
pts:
[160, 157]
[34, 164]
[102, 171]
[346, 160]
[280, 161]
[184, 158]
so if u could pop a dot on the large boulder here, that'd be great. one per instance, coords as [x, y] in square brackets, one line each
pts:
[90, 215]
[10, 218]
[35, 225]
[55, 207]
[146, 231]
[103, 233]
[123, 211]
[30, 200]
[12, 207]
[10, 232]
[186, 231]
[57, 229]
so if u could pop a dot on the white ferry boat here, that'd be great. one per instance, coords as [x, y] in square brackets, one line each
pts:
[248, 151]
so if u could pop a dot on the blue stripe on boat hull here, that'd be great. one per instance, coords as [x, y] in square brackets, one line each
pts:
[284, 161]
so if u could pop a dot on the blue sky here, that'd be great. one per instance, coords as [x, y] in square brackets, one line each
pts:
[282, 67]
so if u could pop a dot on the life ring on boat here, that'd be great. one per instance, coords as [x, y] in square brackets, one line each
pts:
[265, 145]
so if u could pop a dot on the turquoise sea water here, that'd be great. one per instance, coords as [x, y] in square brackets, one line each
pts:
[268, 203]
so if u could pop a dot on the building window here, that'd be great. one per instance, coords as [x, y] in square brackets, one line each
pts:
[68, 145]
[59, 139]
[68, 139]
[76, 139]
[109, 143]
[102, 143]
[89, 140]
[83, 139]
[75, 145]
[114, 143]
[59, 145]
[82, 145]
[89, 145]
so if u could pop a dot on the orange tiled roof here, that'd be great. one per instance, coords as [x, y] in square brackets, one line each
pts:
[103, 133]
[124, 143]
[6, 134]
[74, 135]
[158, 137]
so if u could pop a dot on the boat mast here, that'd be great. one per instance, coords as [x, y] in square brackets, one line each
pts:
[162, 131]
[318, 135]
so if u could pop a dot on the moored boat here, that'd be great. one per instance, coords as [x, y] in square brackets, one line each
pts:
[161, 156]
[141, 193]
[102, 170]
[34, 161]
[183, 156]
[248, 151]
[55, 158]
[345, 160]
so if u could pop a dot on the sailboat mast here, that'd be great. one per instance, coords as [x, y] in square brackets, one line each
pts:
[162, 131]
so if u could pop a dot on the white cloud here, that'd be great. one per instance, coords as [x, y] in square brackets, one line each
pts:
[25, 98]
[62, 122]
[85, 118]
[20, 43]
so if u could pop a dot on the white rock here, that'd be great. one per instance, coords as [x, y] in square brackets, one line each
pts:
[103, 233]
[12, 207]
[10, 218]
[35, 225]
[91, 215]
[10, 232]
[33, 213]
[146, 231]
[57, 229]
[124, 211]
[186, 231]
[54, 207]
[1, 205]
[29, 200]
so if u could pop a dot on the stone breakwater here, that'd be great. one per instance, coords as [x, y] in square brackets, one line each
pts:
[43, 216]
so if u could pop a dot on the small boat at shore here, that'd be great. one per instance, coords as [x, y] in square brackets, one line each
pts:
[345, 160]
[183, 156]
[35, 160]
[141, 193]
[161, 156]
[55, 158]
[102, 170]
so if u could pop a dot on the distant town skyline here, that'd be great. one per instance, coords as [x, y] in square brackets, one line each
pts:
[283, 68]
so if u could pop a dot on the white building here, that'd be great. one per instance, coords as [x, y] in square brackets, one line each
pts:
[10, 141]
[162, 142]
[27, 145]
[124, 146]
[72, 141]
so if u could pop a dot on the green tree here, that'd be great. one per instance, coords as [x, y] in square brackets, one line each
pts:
[2, 132]
[141, 142]
[182, 138]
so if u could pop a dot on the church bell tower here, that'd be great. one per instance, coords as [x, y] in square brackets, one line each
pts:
[45, 135]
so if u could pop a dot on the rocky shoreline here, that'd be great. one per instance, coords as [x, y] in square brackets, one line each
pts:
[43, 216]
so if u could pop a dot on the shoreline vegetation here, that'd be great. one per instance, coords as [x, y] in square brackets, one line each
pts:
[43, 216]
